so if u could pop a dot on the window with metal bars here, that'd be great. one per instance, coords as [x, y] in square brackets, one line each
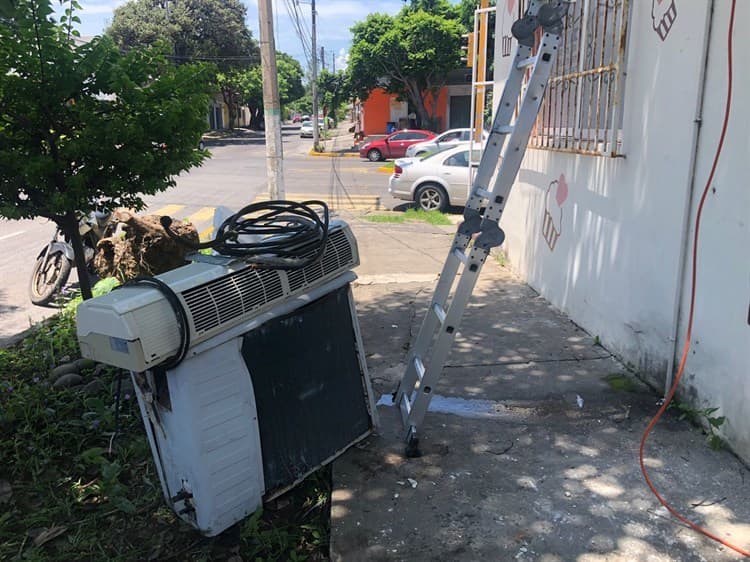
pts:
[582, 109]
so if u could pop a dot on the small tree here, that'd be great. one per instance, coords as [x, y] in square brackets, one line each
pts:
[334, 90]
[248, 84]
[83, 127]
[212, 30]
[409, 55]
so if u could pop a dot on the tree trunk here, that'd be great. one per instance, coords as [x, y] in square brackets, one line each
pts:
[422, 115]
[415, 96]
[230, 100]
[69, 226]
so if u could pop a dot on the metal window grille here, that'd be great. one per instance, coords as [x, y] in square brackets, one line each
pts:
[582, 109]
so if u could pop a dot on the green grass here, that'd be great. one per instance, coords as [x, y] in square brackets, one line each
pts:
[65, 496]
[621, 382]
[388, 165]
[430, 217]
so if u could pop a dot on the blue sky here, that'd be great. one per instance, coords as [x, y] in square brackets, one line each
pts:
[335, 17]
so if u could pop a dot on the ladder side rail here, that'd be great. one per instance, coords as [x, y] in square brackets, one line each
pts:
[495, 141]
[518, 141]
[444, 341]
[429, 325]
[506, 107]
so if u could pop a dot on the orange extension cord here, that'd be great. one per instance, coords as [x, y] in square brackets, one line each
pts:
[688, 335]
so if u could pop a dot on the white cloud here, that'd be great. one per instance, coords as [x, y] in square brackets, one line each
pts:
[342, 59]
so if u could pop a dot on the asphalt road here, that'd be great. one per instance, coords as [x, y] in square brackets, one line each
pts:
[233, 177]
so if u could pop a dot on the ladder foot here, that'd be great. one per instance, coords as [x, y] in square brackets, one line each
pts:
[412, 448]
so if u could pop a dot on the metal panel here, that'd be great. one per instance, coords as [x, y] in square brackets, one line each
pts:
[310, 388]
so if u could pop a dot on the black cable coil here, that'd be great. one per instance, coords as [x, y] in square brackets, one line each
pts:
[288, 234]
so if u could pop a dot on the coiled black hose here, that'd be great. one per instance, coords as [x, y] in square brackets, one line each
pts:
[287, 234]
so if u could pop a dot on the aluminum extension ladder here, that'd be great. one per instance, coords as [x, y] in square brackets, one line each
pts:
[478, 233]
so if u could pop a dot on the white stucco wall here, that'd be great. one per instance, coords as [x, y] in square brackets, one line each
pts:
[718, 367]
[614, 267]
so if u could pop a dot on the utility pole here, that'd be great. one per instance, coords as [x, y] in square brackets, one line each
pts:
[271, 104]
[333, 62]
[323, 57]
[316, 135]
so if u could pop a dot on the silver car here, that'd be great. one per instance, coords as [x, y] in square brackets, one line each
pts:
[306, 129]
[437, 181]
[443, 141]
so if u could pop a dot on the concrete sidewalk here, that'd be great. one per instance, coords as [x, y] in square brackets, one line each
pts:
[534, 454]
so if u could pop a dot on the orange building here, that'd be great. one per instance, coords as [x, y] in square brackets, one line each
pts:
[383, 112]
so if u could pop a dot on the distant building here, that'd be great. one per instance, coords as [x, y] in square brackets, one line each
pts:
[382, 111]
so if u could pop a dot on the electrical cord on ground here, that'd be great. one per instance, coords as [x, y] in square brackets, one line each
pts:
[282, 234]
[118, 391]
[688, 334]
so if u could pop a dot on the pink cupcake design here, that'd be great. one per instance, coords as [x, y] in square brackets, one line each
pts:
[663, 16]
[557, 193]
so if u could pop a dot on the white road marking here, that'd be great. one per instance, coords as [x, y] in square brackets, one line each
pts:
[12, 234]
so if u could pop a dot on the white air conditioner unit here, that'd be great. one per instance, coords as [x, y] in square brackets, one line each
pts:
[135, 328]
[274, 384]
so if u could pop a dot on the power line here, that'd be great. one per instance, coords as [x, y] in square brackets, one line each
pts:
[237, 58]
[292, 8]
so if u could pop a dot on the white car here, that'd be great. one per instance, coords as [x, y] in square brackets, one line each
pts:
[305, 129]
[443, 141]
[437, 181]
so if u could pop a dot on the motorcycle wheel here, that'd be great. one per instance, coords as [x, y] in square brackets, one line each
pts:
[48, 276]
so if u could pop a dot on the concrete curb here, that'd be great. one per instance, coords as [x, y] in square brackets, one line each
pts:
[333, 154]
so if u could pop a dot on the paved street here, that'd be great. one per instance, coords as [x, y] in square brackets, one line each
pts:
[233, 177]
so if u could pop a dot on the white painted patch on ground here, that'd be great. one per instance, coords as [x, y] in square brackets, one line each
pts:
[395, 278]
[462, 407]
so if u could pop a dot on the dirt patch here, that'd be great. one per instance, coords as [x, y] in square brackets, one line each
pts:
[141, 247]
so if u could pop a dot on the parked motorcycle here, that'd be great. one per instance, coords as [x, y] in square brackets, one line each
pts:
[55, 261]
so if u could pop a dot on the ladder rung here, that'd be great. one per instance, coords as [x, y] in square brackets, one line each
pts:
[439, 312]
[503, 130]
[419, 366]
[482, 193]
[458, 253]
[528, 61]
[405, 405]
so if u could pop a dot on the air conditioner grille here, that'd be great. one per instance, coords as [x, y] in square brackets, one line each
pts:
[223, 300]
[338, 254]
[227, 298]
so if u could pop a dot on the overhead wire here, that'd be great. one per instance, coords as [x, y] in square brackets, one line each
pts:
[297, 23]
[691, 314]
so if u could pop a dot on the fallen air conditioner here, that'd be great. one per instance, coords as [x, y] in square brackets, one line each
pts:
[272, 386]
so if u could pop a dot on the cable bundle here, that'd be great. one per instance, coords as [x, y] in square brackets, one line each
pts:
[269, 235]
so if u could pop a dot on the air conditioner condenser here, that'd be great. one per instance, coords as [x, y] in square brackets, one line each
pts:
[262, 399]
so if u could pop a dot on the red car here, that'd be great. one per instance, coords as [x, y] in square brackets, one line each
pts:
[394, 145]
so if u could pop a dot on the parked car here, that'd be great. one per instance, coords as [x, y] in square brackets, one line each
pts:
[443, 141]
[306, 130]
[394, 145]
[437, 181]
